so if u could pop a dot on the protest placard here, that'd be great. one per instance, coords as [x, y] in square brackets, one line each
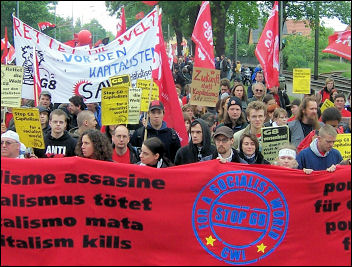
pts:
[28, 127]
[121, 80]
[11, 85]
[301, 81]
[134, 105]
[205, 87]
[327, 104]
[145, 86]
[114, 105]
[272, 138]
[343, 144]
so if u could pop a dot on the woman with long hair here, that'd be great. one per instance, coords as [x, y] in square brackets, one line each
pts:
[153, 154]
[93, 144]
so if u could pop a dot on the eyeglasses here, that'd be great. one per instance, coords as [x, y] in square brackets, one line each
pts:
[261, 91]
[225, 140]
[7, 143]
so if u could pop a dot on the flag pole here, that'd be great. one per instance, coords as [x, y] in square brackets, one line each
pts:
[150, 90]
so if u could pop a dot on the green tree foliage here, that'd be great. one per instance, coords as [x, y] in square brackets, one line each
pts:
[305, 10]
[30, 12]
[299, 50]
[33, 12]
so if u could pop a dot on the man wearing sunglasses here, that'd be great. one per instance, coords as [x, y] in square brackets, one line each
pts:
[259, 91]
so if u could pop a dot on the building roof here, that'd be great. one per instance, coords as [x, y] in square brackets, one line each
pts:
[300, 27]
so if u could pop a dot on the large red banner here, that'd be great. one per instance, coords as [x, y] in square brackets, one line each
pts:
[267, 50]
[340, 44]
[76, 211]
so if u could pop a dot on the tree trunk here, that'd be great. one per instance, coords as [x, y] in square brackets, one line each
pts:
[179, 41]
[219, 23]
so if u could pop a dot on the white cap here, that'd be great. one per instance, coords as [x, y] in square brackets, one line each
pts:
[12, 135]
[287, 152]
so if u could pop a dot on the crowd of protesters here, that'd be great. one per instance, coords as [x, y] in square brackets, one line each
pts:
[230, 132]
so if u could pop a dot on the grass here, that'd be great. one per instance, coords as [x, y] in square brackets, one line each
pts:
[331, 65]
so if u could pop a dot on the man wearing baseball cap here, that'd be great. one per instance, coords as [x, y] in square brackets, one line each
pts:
[157, 127]
[10, 145]
[223, 138]
[234, 117]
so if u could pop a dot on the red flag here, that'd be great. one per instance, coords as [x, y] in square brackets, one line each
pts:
[202, 36]
[36, 78]
[167, 91]
[267, 50]
[45, 25]
[121, 23]
[140, 15]
[5, 50]
[340, 44]
[150, 3]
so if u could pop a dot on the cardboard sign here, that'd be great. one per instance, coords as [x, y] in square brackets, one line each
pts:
[327, 104]
[205, 87]
[121, 81]
[145, 86]
[134, 105]
[28, 127]
[272, 138]
[11, 85]
[114, 105]
[301, 81]
[343, 144]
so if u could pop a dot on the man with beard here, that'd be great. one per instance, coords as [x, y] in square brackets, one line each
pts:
[223, 138]
[306, 120]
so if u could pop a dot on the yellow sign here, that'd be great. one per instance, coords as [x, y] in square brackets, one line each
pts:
[145, 86]
[343, 144]
[301, 81]
[114, 108]
[134, 105]
[28, 127]
[327, 104]
[11, 85]
[205, 87]
[121, 81]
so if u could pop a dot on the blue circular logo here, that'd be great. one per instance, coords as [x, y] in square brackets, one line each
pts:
[240, 217]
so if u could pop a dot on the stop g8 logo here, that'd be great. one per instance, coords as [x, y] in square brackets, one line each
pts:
[240, 217]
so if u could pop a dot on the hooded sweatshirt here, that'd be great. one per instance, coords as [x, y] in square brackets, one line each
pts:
[193, 153]
[63, 146]
[311, 158]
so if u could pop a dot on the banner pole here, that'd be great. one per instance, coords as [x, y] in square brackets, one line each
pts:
[150, 91]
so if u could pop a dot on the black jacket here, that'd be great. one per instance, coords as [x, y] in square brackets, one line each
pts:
[258, 159]
[167, 135]
[285, 102]
[235, 156]
[189, 154]
[57, 148]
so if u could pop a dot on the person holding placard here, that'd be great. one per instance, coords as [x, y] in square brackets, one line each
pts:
[157, 127]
